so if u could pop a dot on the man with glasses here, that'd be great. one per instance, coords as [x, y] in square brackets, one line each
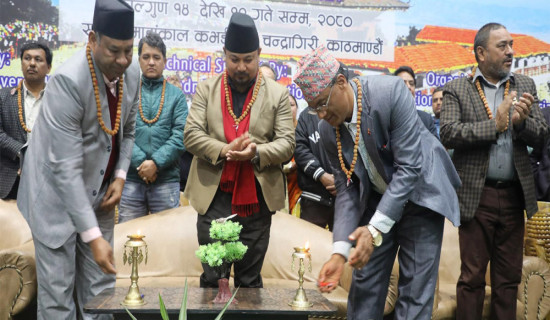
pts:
[395, 184]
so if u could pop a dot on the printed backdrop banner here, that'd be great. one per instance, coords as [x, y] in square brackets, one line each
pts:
[284, 27]
[370, 36]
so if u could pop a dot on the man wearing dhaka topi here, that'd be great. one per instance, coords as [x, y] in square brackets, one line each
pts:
[239, 130]
[75, 166]
[395, 183]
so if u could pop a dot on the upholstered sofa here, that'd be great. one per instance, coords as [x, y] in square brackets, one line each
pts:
[171, 237]
[172, 242]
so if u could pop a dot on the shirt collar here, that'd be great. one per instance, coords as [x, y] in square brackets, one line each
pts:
[509, 76]
[354, 115]
[151, 82]
[26, 91]
[110, 84]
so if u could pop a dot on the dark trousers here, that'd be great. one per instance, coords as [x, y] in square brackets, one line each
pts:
[416, 240]
[254, 235]
[496, 235]
[317, 213]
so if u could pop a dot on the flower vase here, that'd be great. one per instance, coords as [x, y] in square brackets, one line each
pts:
[224, 293]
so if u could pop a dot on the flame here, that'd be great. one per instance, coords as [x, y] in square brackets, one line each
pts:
[139, 232]
[307, 245]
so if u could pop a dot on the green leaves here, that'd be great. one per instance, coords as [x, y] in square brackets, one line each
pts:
[130, 314]
[163, 312]
[226, 231]
[220, 315]
[183, 309]
[229, 249]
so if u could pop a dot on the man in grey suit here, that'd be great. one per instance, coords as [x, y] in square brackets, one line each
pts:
[395, 185]
[25, 99]
[75, 166]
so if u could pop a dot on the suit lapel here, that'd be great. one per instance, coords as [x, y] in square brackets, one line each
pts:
[106, 115]
[257, 107]
[368, 133]
[22, 133]
[347, 145]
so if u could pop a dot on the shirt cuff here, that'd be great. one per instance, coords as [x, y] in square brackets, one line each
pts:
[120, 174]
[341, 247]
[381, 222]
[90, 234]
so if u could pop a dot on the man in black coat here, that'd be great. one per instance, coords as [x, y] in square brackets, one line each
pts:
[315, 174]
[19, 107]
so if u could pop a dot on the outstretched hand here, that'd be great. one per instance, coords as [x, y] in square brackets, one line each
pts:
[330, 274]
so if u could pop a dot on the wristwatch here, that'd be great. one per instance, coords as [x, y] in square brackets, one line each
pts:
[376, 235]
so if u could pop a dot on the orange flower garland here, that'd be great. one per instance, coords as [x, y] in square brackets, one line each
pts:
[230, 104]
[20, 105]
[484, 99]
[97, 100]
[357, 135]
[156, 118]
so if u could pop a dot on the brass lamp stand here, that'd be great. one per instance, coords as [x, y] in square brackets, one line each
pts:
[300, 299]
[133, 254]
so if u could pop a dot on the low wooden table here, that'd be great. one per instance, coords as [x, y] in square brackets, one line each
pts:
[265, 303]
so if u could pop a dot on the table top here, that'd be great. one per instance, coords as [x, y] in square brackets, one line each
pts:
[199, 301]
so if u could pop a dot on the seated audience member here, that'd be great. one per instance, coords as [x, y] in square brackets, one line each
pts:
[290, 168]
[315, 176]
[407, 74]
[19, 108]
[153, 182]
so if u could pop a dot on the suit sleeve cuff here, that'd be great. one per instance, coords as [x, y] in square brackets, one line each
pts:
[120, 174]
[381, 222]
[318, 173]
[342, 248]
[90, 234]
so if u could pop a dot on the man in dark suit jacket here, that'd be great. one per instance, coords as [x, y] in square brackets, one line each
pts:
[540, 161]
[407, 74]
[395, 184]
[489, 119]
[26, 98]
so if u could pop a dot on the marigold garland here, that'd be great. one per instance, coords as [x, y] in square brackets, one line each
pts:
[230, 104]
[20, 107]
[357, 135]
[155, 119]
[98, 101]
[484, 99]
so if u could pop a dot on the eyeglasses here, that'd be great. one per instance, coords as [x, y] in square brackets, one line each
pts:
[322, 107]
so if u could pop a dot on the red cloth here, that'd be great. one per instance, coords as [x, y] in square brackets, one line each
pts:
[113, 158]
[238, 176]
